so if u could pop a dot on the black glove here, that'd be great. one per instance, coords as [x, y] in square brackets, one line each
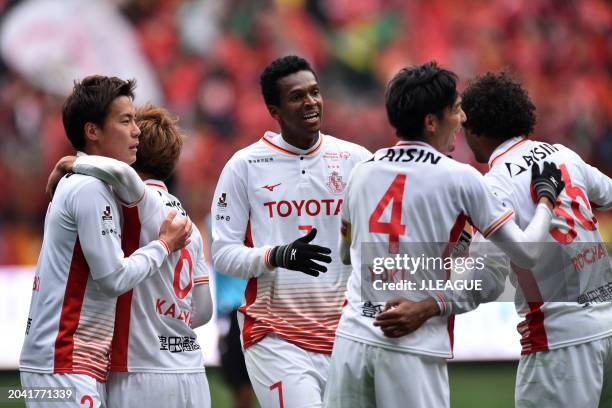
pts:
[299, 255]
[548, 183]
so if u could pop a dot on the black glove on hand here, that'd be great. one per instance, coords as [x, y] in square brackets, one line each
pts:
[299, 255]
[548, 183]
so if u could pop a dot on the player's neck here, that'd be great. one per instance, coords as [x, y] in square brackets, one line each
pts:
[304, 141]
[146, 176]
[489, 145]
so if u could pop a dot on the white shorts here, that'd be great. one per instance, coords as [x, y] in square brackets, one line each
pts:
[286, 376]
[575, 376]
[90, 393]
[363, 376]
[180, 390]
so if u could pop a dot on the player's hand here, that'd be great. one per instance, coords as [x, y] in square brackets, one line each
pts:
[548, 183]
[402, 316]
[300, 255]
[63, 166]
[175, 233]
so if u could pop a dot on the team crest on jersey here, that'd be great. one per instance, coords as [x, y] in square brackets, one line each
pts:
[222, 203]
[335, 183]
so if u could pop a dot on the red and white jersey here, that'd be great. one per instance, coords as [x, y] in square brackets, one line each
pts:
[70, 323]
[271, 193]
[566, 298]
[153, 321]
[410, 195]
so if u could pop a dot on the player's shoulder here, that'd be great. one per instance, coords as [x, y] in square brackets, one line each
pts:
[566, 151]
[346, 147]
[247, 154]
[80, 185]
[80, 191]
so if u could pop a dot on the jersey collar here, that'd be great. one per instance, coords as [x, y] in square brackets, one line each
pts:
[505, 147]
[156, 184]
[275, 141]
[414, 143]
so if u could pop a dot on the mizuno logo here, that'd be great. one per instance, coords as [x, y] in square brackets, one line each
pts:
[271, 188]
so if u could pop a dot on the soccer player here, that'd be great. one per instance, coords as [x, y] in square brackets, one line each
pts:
[565, 299]
[155, 358]
[273, 197]
[420, 197]
[81, 268]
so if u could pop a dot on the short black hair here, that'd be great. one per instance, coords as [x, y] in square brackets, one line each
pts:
[414, 92]
[90, 101]
[277, 69]
[496, 106]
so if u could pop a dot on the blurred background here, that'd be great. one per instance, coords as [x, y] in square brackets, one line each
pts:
[201, 59]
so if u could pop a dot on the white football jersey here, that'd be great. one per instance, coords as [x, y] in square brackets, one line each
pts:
[153, 321]
[566, 298]
[410, 196]
[271, 193]
[70, 323]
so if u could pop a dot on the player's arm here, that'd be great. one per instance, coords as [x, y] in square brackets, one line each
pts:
[345, 242]
[101, 245]
[202, 300]
[402, 316]
[599, 187]
[230, 222]
[202, 305]
[346, 229]
[504, 232]
[126, 183]
[492, 276]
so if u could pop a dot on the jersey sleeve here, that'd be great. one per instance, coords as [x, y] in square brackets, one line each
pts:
[151, 207]
[487, 212]
[492, 276]
[97, 218]
[126, 183]
[599, 187]
[363, 154]
[230, 223]
[201, 271]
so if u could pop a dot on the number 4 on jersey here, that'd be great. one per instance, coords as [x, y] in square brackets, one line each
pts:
[394, 228]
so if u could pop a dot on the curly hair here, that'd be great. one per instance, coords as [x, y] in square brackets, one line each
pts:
[498, 107]
[277, 69]
[160, 144]
[415, 92]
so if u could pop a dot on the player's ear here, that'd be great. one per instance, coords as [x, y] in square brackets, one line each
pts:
[274, 112]
[91, 131]
[430, 123]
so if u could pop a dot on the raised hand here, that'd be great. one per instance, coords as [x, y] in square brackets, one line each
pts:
[548, 183]
[63, 166]
[175, 234]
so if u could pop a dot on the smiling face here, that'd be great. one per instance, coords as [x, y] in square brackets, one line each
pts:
[300, 109]
[118, 137]
[449, 125]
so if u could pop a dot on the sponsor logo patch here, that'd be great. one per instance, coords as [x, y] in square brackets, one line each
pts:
[222, 203]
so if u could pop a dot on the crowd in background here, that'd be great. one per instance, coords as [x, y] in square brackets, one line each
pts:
[207, 55]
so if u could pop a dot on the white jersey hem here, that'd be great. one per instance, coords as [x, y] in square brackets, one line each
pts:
[576, 342]
[401, 349]
[158, 370]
